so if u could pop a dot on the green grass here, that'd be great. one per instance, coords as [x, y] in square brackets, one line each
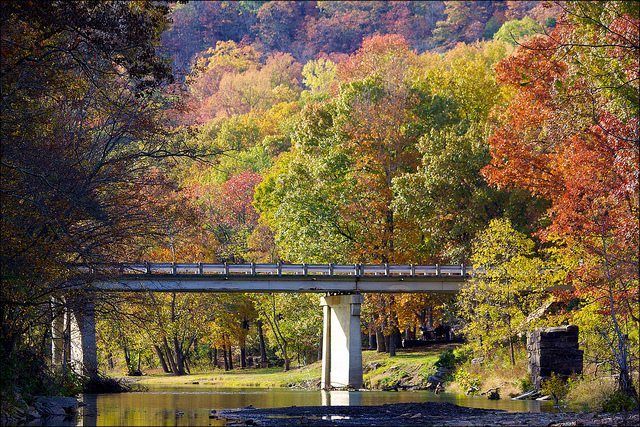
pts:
[410, 366]
[238, 378]
[406, 368]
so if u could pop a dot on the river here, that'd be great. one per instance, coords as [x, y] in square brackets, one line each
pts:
[180, 407]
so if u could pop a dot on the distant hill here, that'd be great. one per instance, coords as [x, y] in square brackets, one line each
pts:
[310, 29]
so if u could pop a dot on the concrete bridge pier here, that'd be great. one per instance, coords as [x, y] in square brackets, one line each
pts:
[341, 342]
[74, 337]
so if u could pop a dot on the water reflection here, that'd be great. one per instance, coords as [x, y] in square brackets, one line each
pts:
[188, 407]
[341, 398]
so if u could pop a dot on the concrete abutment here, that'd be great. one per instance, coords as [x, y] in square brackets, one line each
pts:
[73, 334]
[342, 342]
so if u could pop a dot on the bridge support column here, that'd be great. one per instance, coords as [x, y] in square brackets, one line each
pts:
[84, 355]
[342, 342]
[73, 332]
[57, 337]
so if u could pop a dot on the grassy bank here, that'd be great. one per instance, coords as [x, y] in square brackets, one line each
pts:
[380, 371]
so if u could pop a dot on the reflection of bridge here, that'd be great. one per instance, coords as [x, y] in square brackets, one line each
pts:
[342, 285]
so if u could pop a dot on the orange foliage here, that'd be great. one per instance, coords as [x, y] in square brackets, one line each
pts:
[563, 138]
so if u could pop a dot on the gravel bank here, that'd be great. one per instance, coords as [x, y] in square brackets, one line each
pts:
[414, 414]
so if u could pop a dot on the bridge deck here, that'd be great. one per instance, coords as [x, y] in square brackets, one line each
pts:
[181, 277]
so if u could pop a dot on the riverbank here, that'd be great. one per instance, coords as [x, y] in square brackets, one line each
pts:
[407, 370]
[418, 414]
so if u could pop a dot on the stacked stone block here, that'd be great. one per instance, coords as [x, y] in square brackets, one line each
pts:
[553, 350]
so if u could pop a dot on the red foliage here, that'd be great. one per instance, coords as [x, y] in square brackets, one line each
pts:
[565, 139]
[231, 204]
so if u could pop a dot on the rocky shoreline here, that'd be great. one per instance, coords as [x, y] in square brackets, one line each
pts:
[53, 410]
[414, 414]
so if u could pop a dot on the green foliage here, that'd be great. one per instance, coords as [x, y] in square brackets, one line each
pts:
[462, 354]
[508, 289]
[525, 384]
[618, 402]
[447, 197]
[299, 199]
[29, 375]
[447, 359]
[491, 27]
[467, 381]
[555, 386]
[513, 31]
[319, 74]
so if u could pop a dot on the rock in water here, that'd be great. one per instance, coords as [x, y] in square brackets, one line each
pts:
[55, 405]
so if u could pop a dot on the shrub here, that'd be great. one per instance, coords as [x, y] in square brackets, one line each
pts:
[598, 394]
[525, 384]
[28, 374]
[556, 386]
[105, 384]
[588, 394]
[467, 381]
[619, 402]
[463, 354]
[446, 360]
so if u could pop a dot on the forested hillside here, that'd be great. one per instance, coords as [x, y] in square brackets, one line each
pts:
[502, 134]
[310, 29]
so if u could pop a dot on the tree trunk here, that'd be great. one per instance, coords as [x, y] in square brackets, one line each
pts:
[423, 318]
[243, 356]
[226, 360]
[287, 362]
[163, 362]
[127, 358]
[512, 351]
[230, 357]
[179, 357]
[398, 336]
[214, 361]
[263, 349]
[372, 340]
[392, 343]
[169, 356]
[380, 341]
[431, 317]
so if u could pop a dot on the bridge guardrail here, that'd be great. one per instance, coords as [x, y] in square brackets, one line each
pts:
[281, 269]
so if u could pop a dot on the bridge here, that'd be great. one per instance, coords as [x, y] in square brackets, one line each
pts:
[341, 278]
[341, 284]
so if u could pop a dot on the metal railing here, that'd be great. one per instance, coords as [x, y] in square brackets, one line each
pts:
[282, 269]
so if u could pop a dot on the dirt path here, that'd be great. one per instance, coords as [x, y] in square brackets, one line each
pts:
[414, 414]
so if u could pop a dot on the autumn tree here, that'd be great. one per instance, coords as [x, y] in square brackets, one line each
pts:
[447, 197]
[81, 127]
[510, 284]
[329, 199]
[512, 31]
[231, 80]
[199, 25]
[294, 323]
[570, 135]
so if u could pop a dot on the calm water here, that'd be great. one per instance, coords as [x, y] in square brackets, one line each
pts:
[179, 407]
